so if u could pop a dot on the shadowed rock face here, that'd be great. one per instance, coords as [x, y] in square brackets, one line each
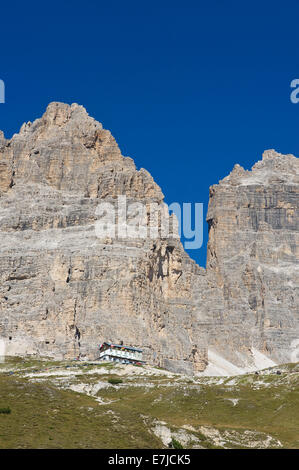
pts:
[63, 290]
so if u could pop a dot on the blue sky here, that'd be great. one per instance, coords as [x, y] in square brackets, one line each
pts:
[188, 89]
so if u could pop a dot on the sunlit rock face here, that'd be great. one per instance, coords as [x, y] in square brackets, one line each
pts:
[253, 257]
[64, 290]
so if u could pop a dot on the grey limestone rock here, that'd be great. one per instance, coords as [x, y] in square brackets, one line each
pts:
[64, 290]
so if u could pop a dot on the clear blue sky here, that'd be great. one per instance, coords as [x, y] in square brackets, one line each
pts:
[188, 89]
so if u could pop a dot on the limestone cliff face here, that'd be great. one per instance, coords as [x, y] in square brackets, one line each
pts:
[64, 290]
[253, 254]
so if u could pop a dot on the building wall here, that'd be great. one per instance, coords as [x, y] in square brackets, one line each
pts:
[125, 354]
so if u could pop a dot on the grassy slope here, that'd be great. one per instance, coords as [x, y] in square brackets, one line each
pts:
[46, 416]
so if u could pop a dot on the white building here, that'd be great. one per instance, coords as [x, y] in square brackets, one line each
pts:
[120, 353]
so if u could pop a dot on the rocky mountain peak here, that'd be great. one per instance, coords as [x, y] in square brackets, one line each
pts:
[61, 115]
[274, 167]
[68, 149]
[64, 290]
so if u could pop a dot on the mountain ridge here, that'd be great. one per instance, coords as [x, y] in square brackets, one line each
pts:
[79, 291]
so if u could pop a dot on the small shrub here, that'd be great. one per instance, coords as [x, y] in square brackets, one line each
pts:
[176, 444]
[201, 436]
[208, 445]
[115, 381]
[5, 411]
